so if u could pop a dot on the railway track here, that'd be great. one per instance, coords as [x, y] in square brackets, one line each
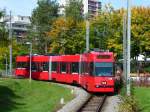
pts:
[93, 104]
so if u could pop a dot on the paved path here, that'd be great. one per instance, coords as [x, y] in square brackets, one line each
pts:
[77, 102]
[111, 104]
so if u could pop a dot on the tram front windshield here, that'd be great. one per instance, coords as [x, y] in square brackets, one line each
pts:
[104, 69]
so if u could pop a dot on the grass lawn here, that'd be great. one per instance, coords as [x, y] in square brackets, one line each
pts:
[18, 95]
[142, 95]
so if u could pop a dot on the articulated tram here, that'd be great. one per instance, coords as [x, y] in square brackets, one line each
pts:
[94, 71]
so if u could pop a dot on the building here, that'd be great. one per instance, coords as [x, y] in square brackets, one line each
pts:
[19, 25]
[62, 4]
[91, 7]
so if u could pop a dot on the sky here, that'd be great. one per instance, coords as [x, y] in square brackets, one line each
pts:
[25, 7]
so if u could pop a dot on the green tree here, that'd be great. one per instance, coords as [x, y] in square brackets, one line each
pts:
[68, 36]
[3, 42]
[42, 17]
[68, 33]
[3, 32]
[140, 31]
[74, 9]
[102, 29]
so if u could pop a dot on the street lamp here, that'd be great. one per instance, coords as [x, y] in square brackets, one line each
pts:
[29, 43]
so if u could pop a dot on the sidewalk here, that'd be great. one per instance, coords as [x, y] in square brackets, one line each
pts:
[111, 104]
[77, 102]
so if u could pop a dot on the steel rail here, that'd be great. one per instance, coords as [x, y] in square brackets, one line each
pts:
[93, 104]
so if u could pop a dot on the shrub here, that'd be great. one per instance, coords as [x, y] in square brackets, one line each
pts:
[129, 103]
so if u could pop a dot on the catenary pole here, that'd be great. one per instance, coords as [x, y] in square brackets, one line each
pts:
[128, 45]
[6, 64]
[87, 34]
[124, 47]
[50, 68]
[10, 45]
[80, 62]
[30, 62]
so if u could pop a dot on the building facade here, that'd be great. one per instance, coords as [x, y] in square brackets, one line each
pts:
[91, 7]
[20, 25]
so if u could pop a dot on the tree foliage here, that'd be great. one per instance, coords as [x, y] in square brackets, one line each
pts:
[106, 30]
[42, 18]
[67, 36]
[140, 30]
[4, 43]
[3, 32]
[74, 10]
[68, 33]
[108, 27]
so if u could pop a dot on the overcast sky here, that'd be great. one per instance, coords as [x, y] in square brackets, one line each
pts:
[25, 7]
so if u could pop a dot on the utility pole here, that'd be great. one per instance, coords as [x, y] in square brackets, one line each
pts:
[128, 45]
[10, 45]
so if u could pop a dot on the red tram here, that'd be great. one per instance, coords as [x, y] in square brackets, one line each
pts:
[94, 71]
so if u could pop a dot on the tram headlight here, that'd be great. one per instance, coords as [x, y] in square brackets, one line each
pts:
[103, 82]
[97, 86]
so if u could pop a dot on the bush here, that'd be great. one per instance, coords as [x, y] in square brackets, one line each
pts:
[129, 103]
[147, 69]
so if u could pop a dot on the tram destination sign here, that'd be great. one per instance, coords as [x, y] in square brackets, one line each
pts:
[103, 56]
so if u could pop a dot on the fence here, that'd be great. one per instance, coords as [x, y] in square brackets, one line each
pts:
[4, 73]
[140, 72]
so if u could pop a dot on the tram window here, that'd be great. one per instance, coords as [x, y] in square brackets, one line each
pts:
[86, 67]
[82, 70]
[75, 67]
[104, 69]
[45, 66]
[22, 65]
[54, 66]
[91, 68]
[34, 67]
[63, 67]
[83, 67]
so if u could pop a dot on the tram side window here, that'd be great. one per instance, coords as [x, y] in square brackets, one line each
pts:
[91, 68]
[82, 67]
[75, 67]
[54, 66]
[63, 67]
[45, 66]
[22, 65]
[86, 67]
[34, 67]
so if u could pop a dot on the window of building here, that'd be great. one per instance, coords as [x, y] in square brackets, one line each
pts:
[22, 18]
